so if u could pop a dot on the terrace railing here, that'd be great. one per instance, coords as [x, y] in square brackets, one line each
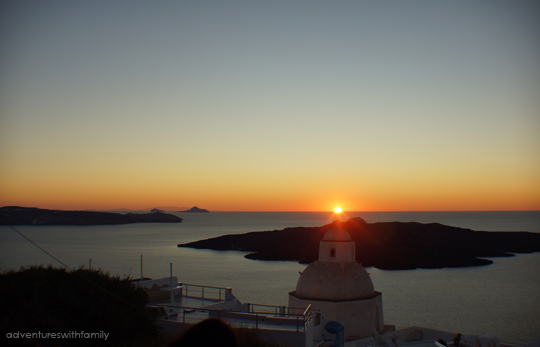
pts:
[253, 318]
[205, 292]
[283, 311]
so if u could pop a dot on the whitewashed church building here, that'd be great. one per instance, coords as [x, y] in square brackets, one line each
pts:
[340, 287]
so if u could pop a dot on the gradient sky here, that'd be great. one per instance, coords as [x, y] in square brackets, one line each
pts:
[270, 105]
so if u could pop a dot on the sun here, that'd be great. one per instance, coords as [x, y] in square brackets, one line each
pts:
[337, 210]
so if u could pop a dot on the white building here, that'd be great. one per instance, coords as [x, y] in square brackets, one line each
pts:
[340, 287]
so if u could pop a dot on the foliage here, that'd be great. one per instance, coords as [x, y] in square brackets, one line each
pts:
[51, 300]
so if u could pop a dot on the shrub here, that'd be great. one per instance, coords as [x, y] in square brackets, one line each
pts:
[42, 299]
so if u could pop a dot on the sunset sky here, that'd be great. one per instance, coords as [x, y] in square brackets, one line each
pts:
[270, 105]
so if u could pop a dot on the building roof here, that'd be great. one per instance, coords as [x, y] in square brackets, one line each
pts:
[337, 233]
[334, 282]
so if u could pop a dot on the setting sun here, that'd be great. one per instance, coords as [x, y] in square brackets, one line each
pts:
[337, 210]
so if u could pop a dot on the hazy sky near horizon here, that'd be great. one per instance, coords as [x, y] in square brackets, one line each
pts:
[270, 105]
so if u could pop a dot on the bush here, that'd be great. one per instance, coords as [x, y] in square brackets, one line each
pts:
[50, 300]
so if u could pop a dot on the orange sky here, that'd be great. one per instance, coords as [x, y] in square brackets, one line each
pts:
[367, 195]
[271, 106]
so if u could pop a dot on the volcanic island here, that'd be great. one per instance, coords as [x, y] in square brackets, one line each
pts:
[384, 245]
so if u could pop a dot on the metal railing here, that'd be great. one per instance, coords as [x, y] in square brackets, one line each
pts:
[252, 319]
[204, 292]
[283, 311]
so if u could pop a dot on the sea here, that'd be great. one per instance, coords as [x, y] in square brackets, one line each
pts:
[501, 299]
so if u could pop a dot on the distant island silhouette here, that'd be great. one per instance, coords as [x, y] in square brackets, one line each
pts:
[161, 208]
[196, 209]
[385, 245]
[16, 215]
[167, 208]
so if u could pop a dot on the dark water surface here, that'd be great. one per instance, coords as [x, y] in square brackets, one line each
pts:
[502, 299]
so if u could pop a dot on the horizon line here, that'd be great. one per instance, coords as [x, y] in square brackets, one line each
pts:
[280, 211]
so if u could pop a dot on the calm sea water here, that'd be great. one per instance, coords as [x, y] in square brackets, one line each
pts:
[502, 299]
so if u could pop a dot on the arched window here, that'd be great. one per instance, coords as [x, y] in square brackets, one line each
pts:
[332, 252]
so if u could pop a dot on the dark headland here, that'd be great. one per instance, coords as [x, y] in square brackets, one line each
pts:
[15, 215]
[196, 209]
[388, 245]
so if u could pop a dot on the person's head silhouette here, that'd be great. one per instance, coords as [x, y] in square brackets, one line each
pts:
[208, 333]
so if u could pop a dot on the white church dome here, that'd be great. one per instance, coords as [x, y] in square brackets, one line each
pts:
[337, 233]
[334, 281]
[336, 276]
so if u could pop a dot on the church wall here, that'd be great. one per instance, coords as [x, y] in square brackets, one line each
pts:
[327, 308]
[342, 251]
[359, 316]
[362, 313]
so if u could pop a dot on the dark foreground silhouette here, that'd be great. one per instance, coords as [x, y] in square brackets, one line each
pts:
[389, 245]
[208, 333]
[16, 215]
[39, 300]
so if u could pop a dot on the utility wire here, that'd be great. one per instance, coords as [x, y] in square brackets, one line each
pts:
[38, 246]
[73, 271]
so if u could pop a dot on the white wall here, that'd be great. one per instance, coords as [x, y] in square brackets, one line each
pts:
[359, 316]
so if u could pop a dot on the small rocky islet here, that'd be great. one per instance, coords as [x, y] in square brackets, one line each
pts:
[384, 245]
[197, 210]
